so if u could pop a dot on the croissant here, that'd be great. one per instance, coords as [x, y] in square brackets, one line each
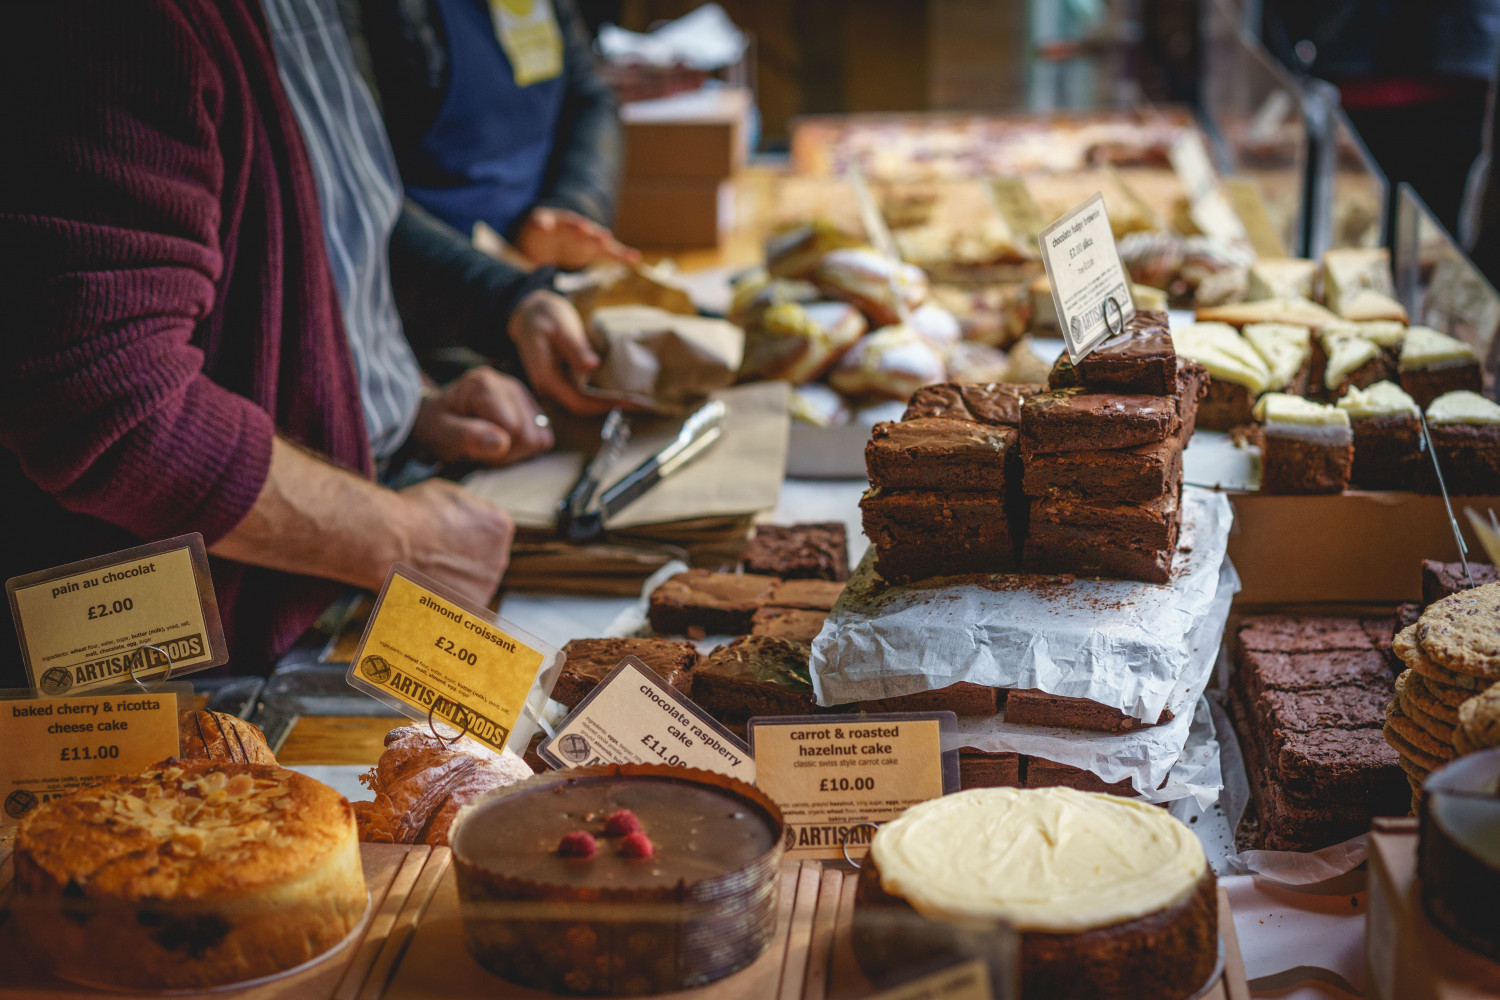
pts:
[206, 735]
[420, 785]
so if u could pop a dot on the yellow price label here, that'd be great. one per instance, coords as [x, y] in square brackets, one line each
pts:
[434, 656]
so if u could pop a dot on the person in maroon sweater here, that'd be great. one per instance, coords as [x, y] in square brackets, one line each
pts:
[173, 358]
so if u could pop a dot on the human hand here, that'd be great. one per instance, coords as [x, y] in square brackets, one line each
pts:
[482, 416]
[549, 336]
[567, 240]
[455, 537]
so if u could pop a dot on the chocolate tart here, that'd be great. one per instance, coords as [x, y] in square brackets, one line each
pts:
[1458, 854]
[701, 907]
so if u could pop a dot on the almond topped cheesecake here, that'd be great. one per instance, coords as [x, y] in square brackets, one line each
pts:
[1112, 897]
[195, 874]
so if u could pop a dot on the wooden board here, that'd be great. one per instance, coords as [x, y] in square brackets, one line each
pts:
[390, 873]
[336, 739]
[843, 979]
[436, 966]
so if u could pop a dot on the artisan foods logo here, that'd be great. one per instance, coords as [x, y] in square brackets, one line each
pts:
[574, 747]
[19, 802]
[1076, 325]
[56, 680]
[376, 668]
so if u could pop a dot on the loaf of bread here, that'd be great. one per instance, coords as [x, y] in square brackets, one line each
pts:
[206, 735]
[420, 785]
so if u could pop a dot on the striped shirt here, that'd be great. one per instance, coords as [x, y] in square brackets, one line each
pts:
[359, 194]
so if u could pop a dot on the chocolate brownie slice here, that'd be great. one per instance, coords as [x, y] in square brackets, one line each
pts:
[1226, 405]
[1032, 707]
[1332, 763]
[1150, 525]
[589, 660]
[799, 551]
[995, 403]
[1076, 420]
[1294, 466]
[1262, 671]
[962, 699]
[808, 595]
[755, 675]
[796, 624]
[1144, 472]
[718, 603]
[934, 453]
[918, 534]
[1081, 556]
[1346, 707]
[1139, 360]
[1192, 389]
[1043, 773]
[980, 769]
[1440, 579]
[1302, 634]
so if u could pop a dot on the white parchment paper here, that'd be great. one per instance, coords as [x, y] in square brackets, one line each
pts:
[1116, 642]
[1171, 761]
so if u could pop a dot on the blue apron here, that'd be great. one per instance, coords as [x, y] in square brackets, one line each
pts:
[486, 153]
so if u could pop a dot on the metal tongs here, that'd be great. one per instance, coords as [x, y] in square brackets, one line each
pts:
[579, 519]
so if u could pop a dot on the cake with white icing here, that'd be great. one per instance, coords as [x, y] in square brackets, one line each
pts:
[1112, 897]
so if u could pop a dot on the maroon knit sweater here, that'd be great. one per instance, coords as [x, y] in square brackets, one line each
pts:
[165, 302]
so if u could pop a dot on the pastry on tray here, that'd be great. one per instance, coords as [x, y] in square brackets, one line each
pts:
[206, 735]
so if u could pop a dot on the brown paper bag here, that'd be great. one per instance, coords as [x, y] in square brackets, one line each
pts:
[659, 360]
[625, 285]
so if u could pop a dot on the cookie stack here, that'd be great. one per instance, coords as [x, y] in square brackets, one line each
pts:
[1452, 655]
[944, 483]
[1102, 454]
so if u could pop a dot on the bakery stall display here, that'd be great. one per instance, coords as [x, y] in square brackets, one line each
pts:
[620, 880]
[1308, 697]
[1112, 898]
[198, 874]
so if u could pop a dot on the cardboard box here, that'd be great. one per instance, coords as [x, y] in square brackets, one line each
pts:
[1409, 959]
[673, 213]
[1353, 547]
[702, 135]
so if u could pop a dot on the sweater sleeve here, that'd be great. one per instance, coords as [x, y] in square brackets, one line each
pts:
[110, 207]
[584, 171]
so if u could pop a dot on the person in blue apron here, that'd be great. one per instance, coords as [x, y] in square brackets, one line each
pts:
[497, 115]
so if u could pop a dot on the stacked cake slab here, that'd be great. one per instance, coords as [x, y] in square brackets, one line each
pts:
[1102, 457]
[945, 483]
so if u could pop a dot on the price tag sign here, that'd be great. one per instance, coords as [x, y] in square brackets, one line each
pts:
[967, 981]
[635, 717]
[434, 656]
[834, 775]
[1090, 287]
[119, 619]
[52, 746]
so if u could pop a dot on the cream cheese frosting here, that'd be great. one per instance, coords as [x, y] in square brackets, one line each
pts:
[1346, 355]
[1052, 860]
[1463, 407]
[1282, 346]
[1227, 356]
[1383, 399]
[1288, 416]
[1427, 348]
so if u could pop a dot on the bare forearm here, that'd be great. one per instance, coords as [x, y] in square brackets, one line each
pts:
[315, 519]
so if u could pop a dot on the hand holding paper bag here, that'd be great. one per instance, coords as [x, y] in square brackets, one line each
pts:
[660, 360]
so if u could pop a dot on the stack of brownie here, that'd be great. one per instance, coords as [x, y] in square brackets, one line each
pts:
[1309, 698]
[945, 483]
[1102, 453]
